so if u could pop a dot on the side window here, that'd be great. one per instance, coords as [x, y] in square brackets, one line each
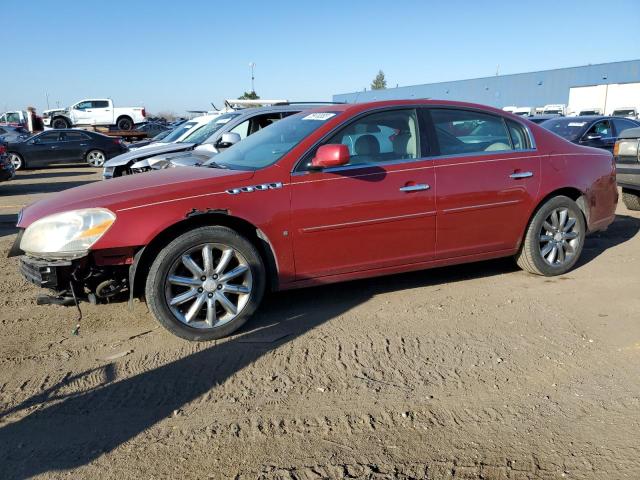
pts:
[100, 104]
[241, 129]
[262, 121]
[380, 137]
[48, 137]
[519, 136]
[622, 125]
[73, 137]
[466, 131]
[602, 129]
[82, 105]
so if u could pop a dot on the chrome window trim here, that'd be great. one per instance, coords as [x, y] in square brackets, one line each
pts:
[330, 133]
[357, 166]
[532, 141]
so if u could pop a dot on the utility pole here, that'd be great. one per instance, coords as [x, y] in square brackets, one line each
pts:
[47, 94]
[252, 65]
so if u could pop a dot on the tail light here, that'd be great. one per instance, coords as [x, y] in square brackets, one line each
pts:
[3, 149]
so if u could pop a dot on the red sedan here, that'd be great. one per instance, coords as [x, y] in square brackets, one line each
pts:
[337, 193]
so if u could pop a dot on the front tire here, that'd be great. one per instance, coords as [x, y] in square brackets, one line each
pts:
[95, 158]
[554, 238]
[206, 283]
[60, 123]
[631, 200]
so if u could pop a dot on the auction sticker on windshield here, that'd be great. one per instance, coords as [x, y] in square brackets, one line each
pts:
[319, 116]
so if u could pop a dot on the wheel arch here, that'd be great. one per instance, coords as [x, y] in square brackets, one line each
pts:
[573, 193]
[67, 121]
[128, 117]
[144, 257]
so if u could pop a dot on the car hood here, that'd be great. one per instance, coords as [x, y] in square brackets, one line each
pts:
[134, 190]
[146, 152]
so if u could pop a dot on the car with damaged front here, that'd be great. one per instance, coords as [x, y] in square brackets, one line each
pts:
[218, 134]
[330, 194]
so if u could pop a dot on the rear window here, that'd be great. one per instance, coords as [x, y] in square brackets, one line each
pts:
[569, 128]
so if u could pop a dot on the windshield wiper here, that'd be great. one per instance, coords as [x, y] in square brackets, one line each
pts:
[213, 165]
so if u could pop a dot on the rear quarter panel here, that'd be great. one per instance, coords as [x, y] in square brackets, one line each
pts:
[589, 170]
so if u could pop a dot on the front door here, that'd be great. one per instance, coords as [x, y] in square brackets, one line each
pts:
[488, 175]
[600, 135]
[378, 211]
[45, 149]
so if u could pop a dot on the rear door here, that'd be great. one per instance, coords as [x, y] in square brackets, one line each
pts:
[73, 145]
[488, 175]
[102, 112]
[376, 212]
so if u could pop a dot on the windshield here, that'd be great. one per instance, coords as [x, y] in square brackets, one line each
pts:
[624, 112]
[566, 127]
[268, 145]
[177, 132]
[201, 134]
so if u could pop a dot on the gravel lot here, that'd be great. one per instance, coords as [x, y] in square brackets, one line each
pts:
[470, 372]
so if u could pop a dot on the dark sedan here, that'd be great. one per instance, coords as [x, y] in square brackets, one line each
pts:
[590, 131]
[6, 167]
[64, 146]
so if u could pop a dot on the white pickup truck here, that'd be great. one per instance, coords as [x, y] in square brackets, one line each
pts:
[97, 111]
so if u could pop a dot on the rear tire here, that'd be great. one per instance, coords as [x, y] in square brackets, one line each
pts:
[124, 123]
[631, 200]
[197, 309]
[554, 238]
[95, 158]
[18, 161]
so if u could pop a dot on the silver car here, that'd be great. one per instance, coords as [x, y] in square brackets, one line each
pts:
[220, 133]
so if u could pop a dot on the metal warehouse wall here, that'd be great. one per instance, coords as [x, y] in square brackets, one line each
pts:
[532, 89]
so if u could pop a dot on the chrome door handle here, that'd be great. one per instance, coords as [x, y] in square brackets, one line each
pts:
[415, 188]
[521, 175]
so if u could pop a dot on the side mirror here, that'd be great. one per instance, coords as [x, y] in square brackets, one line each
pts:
[332, 155]
[228, 139]
[35, 141]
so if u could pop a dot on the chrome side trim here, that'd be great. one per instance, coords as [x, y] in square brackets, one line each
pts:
[479, 207]
[367, 222]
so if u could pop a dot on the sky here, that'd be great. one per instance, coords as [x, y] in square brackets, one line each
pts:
[174, 56]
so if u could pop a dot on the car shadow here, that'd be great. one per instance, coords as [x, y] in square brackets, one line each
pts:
[42, 173]
[14, 188]
[8, 224]
[623, 228]
[65, 431]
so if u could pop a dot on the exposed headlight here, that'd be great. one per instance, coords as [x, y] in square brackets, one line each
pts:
[67, 234]
[108, 172]
[627, 148]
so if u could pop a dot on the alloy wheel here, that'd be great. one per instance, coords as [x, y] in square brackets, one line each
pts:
[95, 158]
[208, 285]
[559, 237]
[16, 161]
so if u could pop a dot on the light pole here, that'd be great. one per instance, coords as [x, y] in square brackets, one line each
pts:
[252, 65]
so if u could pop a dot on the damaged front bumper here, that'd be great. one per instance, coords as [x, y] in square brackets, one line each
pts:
[54, 275]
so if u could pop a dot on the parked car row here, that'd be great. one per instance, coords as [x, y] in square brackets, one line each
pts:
[324, 195]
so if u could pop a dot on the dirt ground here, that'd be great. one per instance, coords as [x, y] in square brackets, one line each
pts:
[473, 372]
